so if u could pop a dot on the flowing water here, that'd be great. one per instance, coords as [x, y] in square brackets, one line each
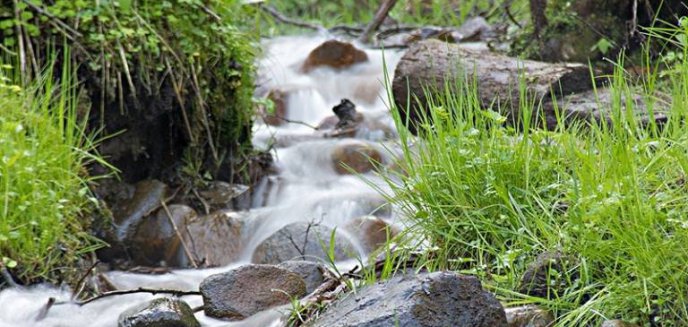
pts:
[307, 187]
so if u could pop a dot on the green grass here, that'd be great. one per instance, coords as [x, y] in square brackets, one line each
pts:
[488, 199]
[43, 185]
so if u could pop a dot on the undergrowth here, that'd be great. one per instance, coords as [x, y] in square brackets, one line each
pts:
[486, 199]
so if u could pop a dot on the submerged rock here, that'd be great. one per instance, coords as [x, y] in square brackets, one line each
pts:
[302, 241]
[372, 231]
[436, 299]
[360, 157]
[528, 316]
[311, 272]
[162, 312]
[334, 54]
[249, 289]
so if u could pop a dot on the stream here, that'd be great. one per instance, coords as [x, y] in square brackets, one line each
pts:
[307, 188]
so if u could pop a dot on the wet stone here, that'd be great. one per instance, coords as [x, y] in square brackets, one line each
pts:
[528, 316]
[279, 110]
[358, 157]
[155, 240]
[311, 272]
[372, 231]
[213, 240]
[162, 312]
[247, 290]
[431, 300]
[302, 241]
[333, 54]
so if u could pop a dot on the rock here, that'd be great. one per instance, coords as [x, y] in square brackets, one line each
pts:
[528, 316]
[435, 299]
[155, 241]
[147, 197]
[373, 232]
[214, 240]
[279, 100]
[617, 323]
[347, 115]
[218, 195]
[249, 289]
[550, 275]
[334, 54]
[358, 156]
[162, 312]
[311, 272]
[328, 122]
[302, 241]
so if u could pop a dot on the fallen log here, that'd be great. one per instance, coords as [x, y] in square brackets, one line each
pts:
[428, 66]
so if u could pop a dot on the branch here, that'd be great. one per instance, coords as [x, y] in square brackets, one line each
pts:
[380, 15]
[284, 19]
[139, 290]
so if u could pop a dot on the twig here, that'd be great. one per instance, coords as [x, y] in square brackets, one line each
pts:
[139, 290]
[284, 19]
[80, 283]
[44, 309]
[176, 230]
[296, 122]
[507, 10]
[206, 207]
[380, 16]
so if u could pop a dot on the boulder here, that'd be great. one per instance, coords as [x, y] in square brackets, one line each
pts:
[357, 156]
[162, 312]
[334, 54]
[371, 231]
[219, 195]
[549, 275]
[302, 241]
[147, 197]
[249, 289]
[155, 241]
[528, 316]
[214, 240]
[311, 272]
[435, 299]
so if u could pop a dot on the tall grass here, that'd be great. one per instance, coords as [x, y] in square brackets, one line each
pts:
[43, 185]
[490, 198]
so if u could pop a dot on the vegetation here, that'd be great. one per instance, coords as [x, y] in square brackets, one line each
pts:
[44, 189]
[487, 199]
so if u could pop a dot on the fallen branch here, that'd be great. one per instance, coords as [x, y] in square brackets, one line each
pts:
[179, 235]
[44, 309]
[80, 284]
[380, 15]
[284, 19]
[139, 290]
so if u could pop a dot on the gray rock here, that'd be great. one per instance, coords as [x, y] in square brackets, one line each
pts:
[301, 241]
[528, 316]
[617, 323]
[550, 275]
[428, 300]
[249, 289]
[311, 272]
[162, 312]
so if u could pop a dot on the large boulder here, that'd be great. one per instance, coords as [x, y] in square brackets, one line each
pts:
[302, 241]
[356, 157]
[333, 54]
[162, 312]
[249, 289]
[435, 299]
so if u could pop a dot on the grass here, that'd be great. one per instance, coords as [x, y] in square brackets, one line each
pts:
[43, 186]
[487, 199]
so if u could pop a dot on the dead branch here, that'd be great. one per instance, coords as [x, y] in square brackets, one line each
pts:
[44, 309]
[138, 290]
[380, 15]
[179, 235]
[286, 20]
[80, 283]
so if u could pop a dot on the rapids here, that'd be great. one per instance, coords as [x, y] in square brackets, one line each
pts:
[306, 188]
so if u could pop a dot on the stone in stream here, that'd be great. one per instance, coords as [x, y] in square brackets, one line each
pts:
[360, 157]
[311, 272]
[529, 316]
[434, 299]
[302, 241]
[247, 290]
[162, 312]
[279, 100]
[214, 240]
[371, 231]
[155, 240]
[147, 198]
[334, 54]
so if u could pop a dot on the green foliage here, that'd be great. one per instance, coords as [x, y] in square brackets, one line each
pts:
[490, 198]
[43, 188]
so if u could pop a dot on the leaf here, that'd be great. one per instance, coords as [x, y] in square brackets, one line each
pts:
[125, 5]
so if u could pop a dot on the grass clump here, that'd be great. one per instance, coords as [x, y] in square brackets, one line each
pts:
[43, 187]
[489, 199]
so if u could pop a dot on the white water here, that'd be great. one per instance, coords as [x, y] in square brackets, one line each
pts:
[306, 189]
